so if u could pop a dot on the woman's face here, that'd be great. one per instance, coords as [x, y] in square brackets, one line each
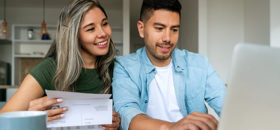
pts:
[94, 34]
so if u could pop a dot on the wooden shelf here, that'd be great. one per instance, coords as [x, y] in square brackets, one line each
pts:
[7, 86]
[34, 26]
[34, 41]
[29, 56]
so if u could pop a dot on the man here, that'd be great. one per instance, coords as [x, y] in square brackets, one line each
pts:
[161, 87]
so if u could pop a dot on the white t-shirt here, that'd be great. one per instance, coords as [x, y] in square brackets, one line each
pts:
[162, 103]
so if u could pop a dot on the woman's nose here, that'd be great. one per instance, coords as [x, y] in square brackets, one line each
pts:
[101, 32]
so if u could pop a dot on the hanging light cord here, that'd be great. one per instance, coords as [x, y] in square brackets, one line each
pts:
[43, 10]
[4, 10]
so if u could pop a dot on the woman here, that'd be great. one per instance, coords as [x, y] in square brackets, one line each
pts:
[79, 60]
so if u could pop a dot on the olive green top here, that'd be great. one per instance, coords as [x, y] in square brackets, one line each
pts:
[88, 81]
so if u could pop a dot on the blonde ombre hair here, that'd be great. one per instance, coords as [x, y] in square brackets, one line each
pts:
[65, 49]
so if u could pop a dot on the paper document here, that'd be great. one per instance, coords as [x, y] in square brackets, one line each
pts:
[83, 109]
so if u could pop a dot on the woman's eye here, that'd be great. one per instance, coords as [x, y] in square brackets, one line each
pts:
[91, 29]
[106, 23]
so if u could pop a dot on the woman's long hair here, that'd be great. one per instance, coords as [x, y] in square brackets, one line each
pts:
[65, 49]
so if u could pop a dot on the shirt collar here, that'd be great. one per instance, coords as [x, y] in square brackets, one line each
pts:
[178, 60]
[149, 67]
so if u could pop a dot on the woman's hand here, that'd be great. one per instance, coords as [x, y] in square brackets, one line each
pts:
[43, 103]
[116, 120]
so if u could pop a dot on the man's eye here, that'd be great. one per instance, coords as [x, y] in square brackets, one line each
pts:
[159, 29]
[175, 30]
[91, 29]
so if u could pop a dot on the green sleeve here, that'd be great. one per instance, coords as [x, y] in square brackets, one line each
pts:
[44, 73]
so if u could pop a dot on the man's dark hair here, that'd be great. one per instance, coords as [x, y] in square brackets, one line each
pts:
[149, 6]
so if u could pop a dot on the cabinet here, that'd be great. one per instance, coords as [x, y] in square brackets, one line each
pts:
[28, 52]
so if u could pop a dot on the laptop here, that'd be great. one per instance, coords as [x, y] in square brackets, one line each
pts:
[253, 97]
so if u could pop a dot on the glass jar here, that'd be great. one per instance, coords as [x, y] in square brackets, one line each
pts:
[30, 34]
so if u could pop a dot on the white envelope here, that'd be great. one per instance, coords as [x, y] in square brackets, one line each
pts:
[83, 109]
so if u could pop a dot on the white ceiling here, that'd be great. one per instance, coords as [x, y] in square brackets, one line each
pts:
[52, 3]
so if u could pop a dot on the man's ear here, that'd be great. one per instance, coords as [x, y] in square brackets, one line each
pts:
[140, 26]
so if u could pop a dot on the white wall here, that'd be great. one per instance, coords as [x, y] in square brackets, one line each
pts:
[225, 29]
[230, 22]
[275, 23]
[257, 21]
[202, 27]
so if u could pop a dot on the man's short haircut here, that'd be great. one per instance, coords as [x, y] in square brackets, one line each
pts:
[149, 6]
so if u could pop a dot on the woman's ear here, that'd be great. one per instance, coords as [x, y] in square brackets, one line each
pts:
[140, 26]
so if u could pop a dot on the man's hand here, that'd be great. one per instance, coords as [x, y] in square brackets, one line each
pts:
[115, 122]
[194, 121]
[41, 104]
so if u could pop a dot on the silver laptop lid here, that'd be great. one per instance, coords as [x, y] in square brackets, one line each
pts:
[253, 98]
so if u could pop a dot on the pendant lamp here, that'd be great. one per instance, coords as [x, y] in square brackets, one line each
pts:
[4, 29]
[44, 29]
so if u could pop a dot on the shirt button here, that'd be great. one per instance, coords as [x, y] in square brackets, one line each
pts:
[146, 101]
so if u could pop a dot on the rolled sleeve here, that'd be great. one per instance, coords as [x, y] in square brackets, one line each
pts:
[126, 95]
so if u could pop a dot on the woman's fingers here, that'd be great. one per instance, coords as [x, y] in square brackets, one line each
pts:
[43, 103]
[55, 117]
[53, 112]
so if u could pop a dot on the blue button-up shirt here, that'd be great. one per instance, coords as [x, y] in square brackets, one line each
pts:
[195, 81]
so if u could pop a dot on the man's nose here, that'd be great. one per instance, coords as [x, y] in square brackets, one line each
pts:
[166, 36]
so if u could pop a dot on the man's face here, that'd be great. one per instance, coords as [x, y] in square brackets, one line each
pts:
[160, 34]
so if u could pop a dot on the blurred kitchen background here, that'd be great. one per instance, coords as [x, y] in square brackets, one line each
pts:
[209, 27]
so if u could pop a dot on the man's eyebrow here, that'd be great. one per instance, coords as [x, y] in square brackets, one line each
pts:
[159, 24]
[175, 26]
